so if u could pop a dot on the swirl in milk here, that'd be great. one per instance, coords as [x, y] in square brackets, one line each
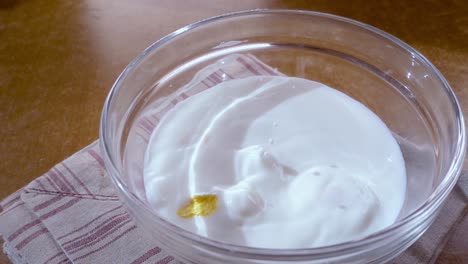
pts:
[293, 164]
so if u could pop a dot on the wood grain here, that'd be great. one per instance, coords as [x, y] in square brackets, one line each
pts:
[59, 58]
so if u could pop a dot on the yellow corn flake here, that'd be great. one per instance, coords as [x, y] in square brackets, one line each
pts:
[201, 205]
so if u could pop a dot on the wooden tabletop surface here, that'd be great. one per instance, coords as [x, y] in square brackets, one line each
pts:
[59, 58]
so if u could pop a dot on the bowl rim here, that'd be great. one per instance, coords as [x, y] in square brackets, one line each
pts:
[433, 201]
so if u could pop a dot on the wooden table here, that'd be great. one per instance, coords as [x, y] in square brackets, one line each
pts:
[59, 58]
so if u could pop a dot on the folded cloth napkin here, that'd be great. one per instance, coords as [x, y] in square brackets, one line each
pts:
[72, 214]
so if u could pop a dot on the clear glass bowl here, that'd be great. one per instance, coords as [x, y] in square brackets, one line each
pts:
[391, 78]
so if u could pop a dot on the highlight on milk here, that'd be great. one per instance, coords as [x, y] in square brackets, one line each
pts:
[275, 162]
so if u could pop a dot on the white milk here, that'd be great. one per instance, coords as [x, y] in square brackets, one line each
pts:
[294, 164]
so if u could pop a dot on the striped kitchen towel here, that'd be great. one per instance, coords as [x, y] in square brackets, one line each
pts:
[72, 214]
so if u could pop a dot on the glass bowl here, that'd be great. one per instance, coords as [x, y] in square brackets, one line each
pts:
[388, 76]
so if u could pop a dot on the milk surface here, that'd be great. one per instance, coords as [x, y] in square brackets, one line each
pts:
[293, 164]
